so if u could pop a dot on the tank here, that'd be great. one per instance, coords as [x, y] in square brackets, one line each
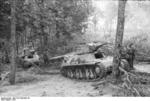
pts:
[28, 58]
[89, 63]
[86, 66]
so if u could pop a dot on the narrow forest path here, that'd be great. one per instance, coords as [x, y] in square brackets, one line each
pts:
[57, 85]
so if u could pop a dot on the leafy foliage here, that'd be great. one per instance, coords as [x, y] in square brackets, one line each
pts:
[45, 23]
[53, 20]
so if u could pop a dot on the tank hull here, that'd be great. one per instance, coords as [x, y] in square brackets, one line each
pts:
[85, 67]
[90, 71]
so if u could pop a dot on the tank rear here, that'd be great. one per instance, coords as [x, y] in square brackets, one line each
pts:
[28, 58]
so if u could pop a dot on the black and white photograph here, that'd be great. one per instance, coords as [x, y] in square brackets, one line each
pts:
[74, 48]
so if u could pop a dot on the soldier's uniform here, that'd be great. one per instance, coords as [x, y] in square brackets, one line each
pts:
[130, 55]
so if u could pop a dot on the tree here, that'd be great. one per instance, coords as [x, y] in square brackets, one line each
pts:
[119, 37]
[13, 42]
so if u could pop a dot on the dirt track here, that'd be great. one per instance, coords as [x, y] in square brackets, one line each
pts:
[57, 85]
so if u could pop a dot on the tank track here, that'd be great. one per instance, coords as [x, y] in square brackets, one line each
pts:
[85, 72]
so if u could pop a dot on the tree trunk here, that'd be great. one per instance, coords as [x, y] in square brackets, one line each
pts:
[119, 38]
[25, 37]
[17, 44]
[13, 43]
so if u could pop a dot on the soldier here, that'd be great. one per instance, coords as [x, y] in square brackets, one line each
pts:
[45, 58]
[130, 55]
[36, 58]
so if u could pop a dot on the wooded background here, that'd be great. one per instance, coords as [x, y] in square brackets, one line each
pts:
[45, 24]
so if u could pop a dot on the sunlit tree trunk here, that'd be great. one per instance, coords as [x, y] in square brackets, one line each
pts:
[13, 42]
[119, 37]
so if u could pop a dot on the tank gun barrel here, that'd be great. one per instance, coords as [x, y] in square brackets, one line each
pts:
[97, 47]
[57, 58]
[86, 43]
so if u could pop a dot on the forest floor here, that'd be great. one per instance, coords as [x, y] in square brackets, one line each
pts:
[54, 85]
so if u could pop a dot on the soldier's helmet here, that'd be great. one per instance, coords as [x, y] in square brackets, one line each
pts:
[129, 46]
